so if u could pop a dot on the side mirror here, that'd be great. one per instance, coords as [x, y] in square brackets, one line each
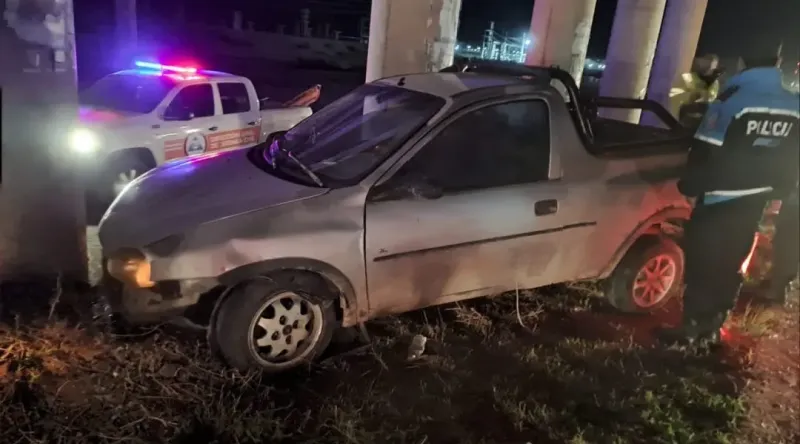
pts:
[422, 189]
[274, 135]
[407, 188]
[178, 114]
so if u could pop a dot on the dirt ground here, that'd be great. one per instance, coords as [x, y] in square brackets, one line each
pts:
[555, 366]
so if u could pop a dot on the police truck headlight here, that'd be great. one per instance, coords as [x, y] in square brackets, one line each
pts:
[84, 141]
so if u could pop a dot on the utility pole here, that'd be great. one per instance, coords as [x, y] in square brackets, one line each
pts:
[42, 213]
[126, 28]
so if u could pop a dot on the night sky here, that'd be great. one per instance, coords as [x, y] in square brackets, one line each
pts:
[729, 24]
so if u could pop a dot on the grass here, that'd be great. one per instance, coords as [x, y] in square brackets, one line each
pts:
[553, 366]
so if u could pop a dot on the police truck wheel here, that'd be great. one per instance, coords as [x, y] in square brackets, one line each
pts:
[117, 176]
[122, 175]
[649, 275]
[274, 324]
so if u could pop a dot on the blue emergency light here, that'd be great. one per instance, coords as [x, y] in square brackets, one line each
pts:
[163, 68]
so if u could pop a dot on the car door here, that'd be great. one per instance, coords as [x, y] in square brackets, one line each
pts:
[239, 126]
[187, 121]
[479, 208]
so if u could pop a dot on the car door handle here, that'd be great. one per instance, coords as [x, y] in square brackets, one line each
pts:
[213, 128]
[251, 123]
[544, 207]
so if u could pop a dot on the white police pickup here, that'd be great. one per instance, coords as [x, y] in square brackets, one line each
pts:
[134, 120]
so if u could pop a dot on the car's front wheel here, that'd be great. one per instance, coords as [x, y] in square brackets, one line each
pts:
[273, 324]
[649, 275]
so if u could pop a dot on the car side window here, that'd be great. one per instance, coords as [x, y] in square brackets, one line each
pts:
[195, 99]
[234, 98]
[494, 146]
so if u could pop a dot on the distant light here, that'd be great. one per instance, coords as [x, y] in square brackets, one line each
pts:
[160, 67]
[527, 41]
[458, 47]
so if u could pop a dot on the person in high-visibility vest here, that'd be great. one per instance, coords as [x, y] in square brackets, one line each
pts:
[690, 97]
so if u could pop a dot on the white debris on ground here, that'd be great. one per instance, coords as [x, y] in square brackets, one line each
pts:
[417, 347]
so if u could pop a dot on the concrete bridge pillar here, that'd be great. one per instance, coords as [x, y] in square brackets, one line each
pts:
[677, 45]
[411, 36]
[42, 216]
[560, 31]
[634, 36]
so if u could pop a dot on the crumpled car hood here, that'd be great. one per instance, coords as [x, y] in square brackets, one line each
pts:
[180, 195]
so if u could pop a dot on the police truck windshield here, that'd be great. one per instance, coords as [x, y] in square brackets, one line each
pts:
[128, 92]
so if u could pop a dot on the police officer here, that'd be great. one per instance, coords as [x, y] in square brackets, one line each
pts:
[694, 90]
[785, 249]
[744, 153]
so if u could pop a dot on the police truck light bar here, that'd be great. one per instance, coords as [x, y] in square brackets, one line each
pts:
[160, 67]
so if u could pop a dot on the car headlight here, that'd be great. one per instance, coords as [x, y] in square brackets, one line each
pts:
[84, 141]
[132, 268]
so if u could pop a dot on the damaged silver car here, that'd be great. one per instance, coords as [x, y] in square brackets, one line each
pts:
[408, 192]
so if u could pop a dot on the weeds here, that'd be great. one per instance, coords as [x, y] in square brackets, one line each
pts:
[565, 374]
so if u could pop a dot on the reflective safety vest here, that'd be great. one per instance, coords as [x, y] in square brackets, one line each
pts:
[691, 89]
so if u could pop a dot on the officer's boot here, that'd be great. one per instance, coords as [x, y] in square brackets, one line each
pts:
[696, 331]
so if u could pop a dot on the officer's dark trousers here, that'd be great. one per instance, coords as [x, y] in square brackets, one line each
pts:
[717, 239]
[786, 247]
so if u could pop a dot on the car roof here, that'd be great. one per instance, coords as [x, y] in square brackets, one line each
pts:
[450, 84]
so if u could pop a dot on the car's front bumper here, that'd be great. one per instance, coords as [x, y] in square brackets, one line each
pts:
[163, 302]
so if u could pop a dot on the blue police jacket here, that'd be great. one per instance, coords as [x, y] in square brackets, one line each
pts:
[748, 140]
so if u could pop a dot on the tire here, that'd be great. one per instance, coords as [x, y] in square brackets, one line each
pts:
[649, 253]
[248, 315]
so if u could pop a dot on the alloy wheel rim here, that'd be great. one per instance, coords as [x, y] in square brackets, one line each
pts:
[654, 280]
[285, 330]
[123, 179]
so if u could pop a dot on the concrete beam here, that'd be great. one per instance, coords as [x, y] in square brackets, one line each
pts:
[560, 31]
[634, 36]
[677, 46]
[411, 36]
[42, 215]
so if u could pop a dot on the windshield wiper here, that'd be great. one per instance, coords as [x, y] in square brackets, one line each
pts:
[299, 163]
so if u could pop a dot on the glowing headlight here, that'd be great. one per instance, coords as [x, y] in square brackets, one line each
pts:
[131, 268]
[83, 141]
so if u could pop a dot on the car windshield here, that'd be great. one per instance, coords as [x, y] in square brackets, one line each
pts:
[128, 92]
[347, 139]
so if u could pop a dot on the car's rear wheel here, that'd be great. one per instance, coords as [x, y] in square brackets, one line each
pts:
[273, 324]
[649, 275]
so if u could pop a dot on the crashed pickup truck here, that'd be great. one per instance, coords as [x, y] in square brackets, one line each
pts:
[408, 192]
[134, 120]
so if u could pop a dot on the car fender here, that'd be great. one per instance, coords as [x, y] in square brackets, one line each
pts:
[139, 152]
[646, 227]
[331, 274]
